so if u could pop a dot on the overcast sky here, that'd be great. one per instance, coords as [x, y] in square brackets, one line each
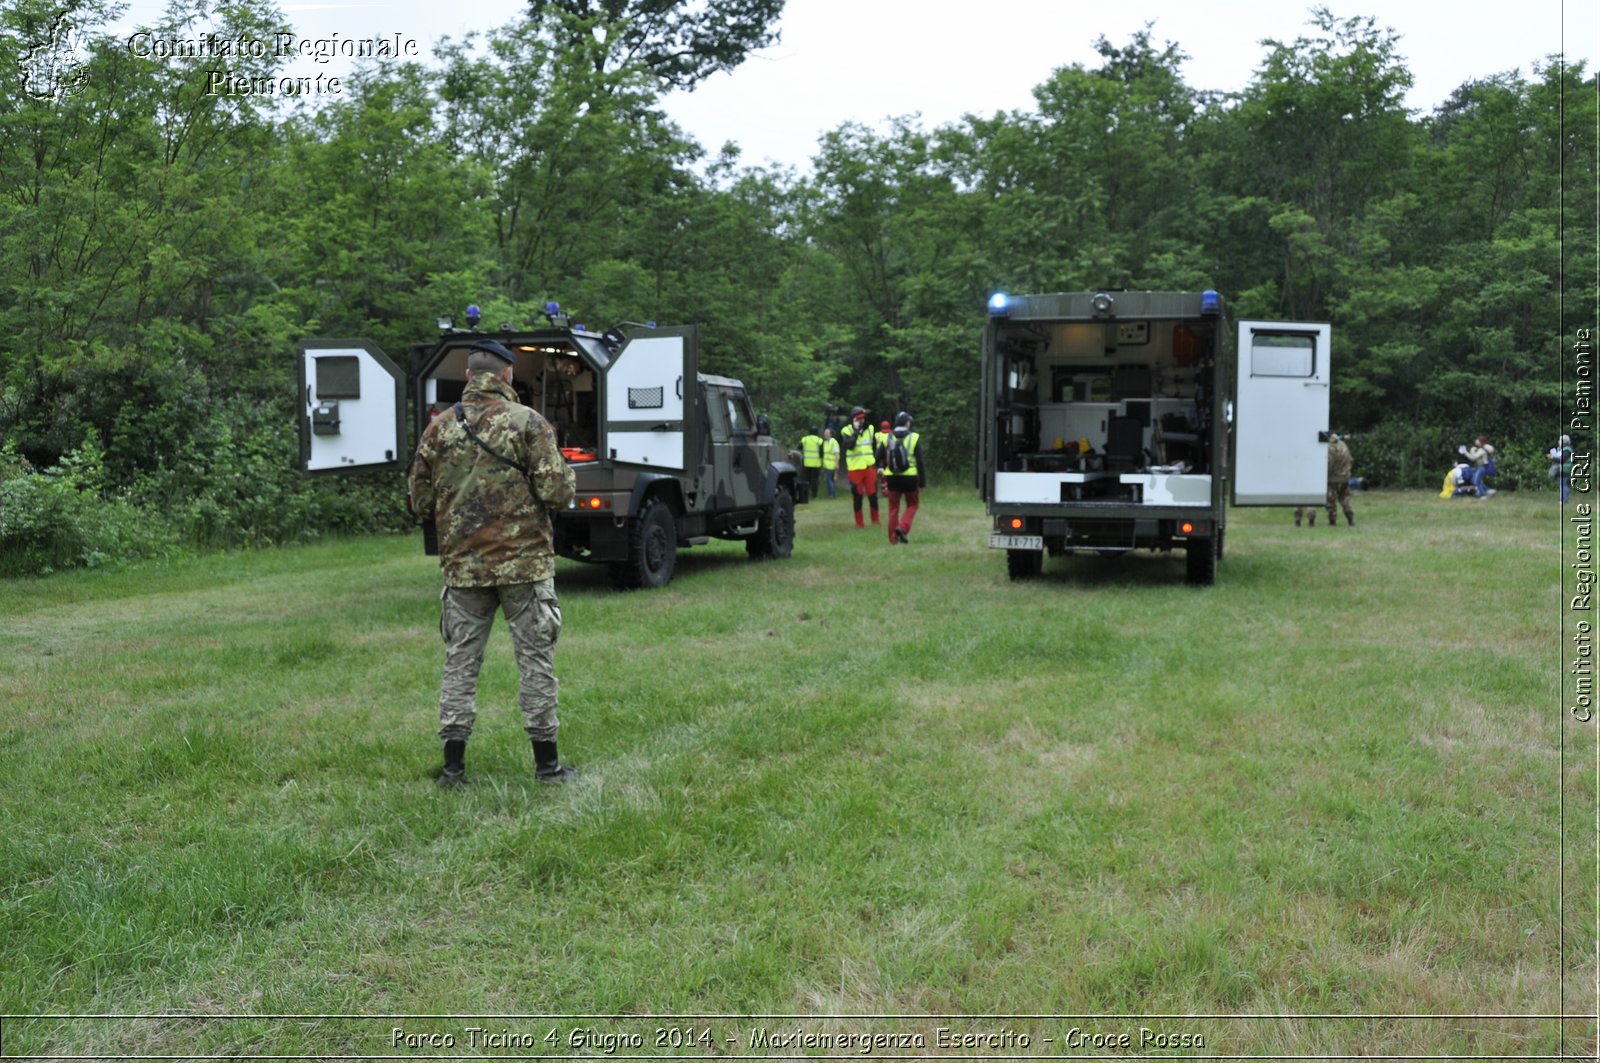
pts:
[868, 60]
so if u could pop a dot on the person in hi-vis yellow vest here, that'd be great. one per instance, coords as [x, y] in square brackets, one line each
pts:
[811, 459]
[906, 474]
[830, 460]
[860, 462]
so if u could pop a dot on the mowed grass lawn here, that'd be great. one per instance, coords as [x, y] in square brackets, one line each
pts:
[879, 784]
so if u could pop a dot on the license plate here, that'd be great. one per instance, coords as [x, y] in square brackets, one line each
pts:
[1016, 542]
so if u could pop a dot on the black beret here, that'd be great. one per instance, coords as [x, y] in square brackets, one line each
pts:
[496, 348]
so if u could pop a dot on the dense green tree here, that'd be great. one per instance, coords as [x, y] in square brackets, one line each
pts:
[1321, 131]
[574, 150]
[129, 228]
[679, 43]
[378, 208]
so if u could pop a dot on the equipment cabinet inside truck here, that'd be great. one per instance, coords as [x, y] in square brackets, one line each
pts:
[552, 375]
[1105, 411]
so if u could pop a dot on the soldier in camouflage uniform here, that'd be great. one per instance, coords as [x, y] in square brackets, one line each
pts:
[1340, 465]
[490, 498]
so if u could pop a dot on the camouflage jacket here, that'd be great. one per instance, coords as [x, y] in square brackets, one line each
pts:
[492, 530]
[1340, 463]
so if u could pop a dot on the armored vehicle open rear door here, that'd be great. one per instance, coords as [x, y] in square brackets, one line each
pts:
[351, 407]
[645, 400]
[1280, 431]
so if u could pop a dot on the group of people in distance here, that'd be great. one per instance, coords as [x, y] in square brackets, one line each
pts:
[1468, 476]
[1473, 466]
[887, 458]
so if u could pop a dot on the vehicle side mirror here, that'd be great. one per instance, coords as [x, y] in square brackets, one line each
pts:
[763, 425]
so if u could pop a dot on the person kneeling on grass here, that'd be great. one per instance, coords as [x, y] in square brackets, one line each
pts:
[1458, 481]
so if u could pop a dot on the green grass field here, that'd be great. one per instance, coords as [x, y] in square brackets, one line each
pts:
[1316, 809]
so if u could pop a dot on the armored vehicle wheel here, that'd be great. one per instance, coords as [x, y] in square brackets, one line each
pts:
[652, 548]
[1024, 564]
[1202, 562]
[775, 537]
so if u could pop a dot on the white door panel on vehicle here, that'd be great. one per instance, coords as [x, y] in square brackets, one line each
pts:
[1281, 416]
[647, 383]
[351, 409]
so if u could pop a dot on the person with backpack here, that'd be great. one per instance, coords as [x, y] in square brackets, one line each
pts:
[905, 470]
[878, 455]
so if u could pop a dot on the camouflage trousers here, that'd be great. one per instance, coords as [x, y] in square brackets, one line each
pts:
[533, 614]
[1339, 495]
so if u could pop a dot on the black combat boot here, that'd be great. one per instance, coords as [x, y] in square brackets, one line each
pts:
[1312, 517]
[454, 773]
[1350, 519]
[548, 766]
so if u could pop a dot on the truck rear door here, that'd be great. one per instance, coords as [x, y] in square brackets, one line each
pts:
[351, 407]
[1280, 430]
[646, 397]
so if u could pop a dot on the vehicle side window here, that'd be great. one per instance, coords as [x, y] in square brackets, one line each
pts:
[717, 411]
[738, 405]
[1284, 354]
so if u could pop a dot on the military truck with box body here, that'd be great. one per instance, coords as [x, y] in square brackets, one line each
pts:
[666, 457]
[1117, 420]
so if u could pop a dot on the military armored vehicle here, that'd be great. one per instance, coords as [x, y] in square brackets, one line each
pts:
[666, 457]
[1116, 420]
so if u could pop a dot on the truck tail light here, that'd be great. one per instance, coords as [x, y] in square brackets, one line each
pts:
[597, 503]
[1015, 523]
[1187, 527]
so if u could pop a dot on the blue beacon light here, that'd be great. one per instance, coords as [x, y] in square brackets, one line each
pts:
[998, 303]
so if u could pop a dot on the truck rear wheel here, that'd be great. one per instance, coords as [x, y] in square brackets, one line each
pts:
[1024, 564]
[1202, 562]
[652, 549]
[775, 536]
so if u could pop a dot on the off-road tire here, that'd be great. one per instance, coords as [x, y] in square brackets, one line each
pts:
[652, 549]
[775, 536]
[1201, 562]
[1024, 564]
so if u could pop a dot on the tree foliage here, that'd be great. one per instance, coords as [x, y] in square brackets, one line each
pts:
[680, 44]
